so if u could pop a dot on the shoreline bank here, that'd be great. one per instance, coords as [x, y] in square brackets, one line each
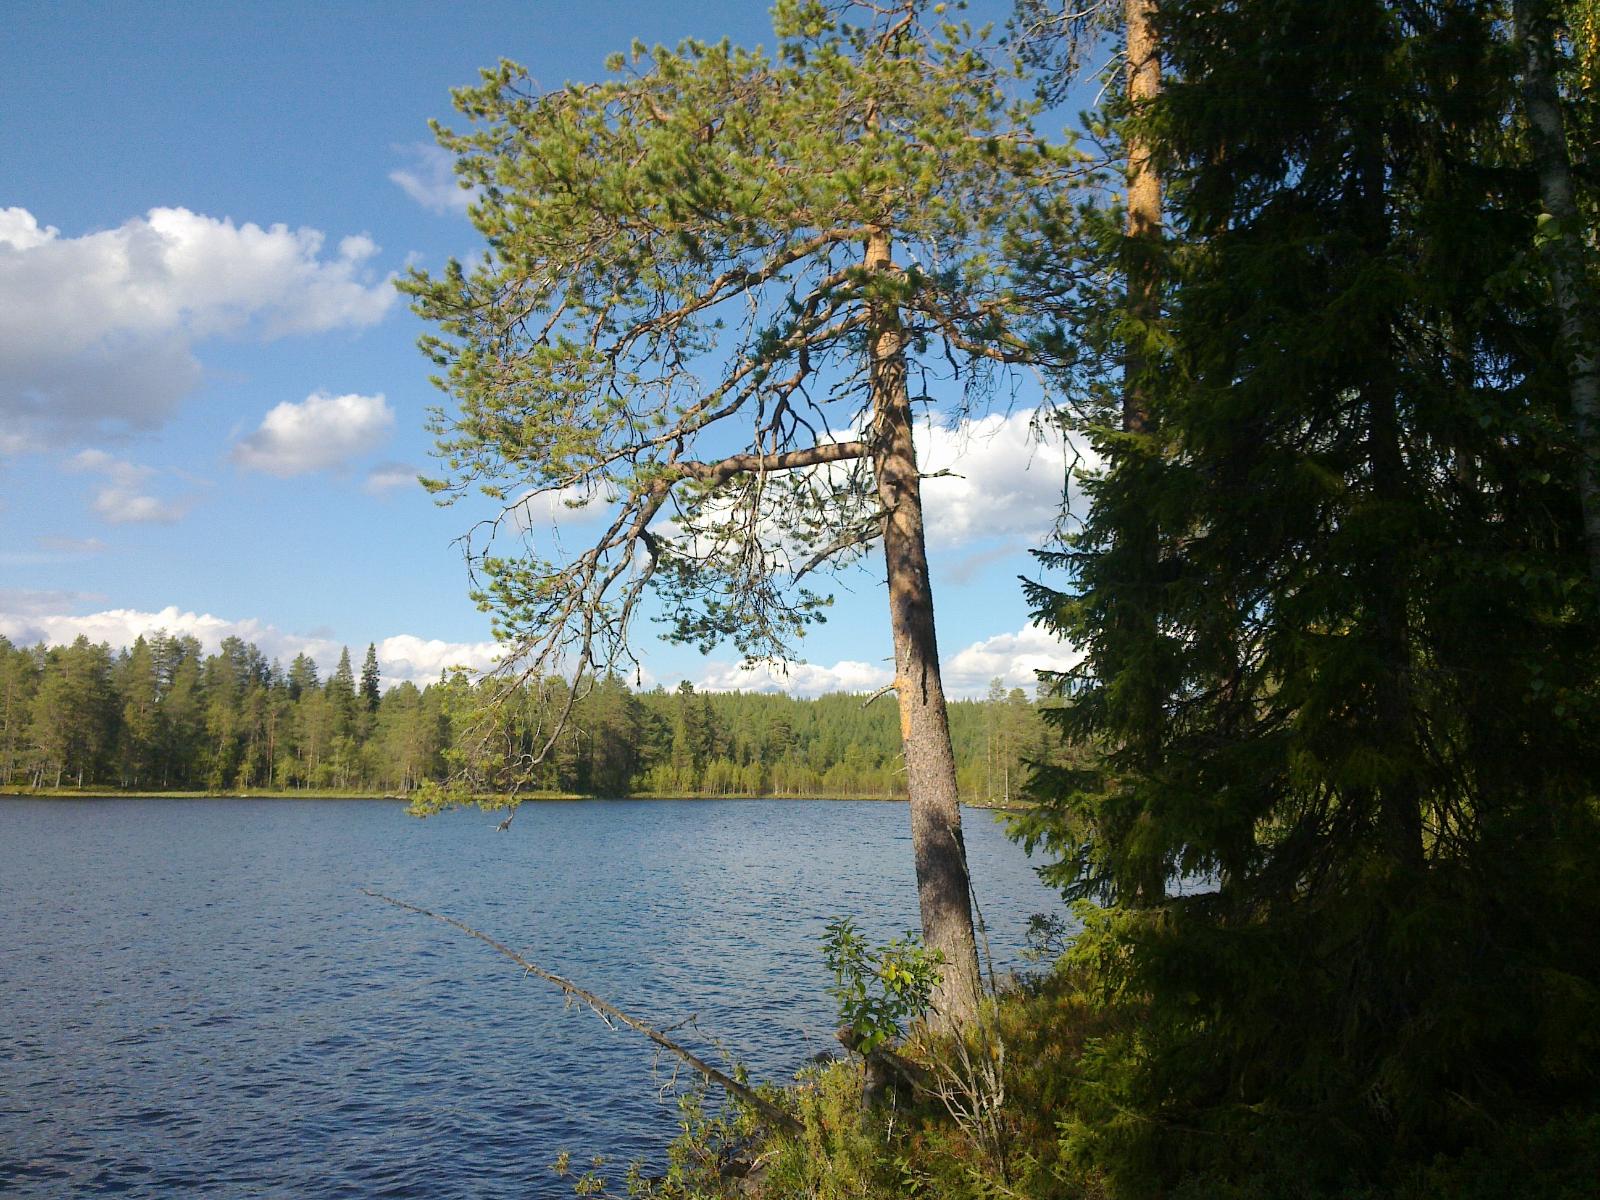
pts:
[103, 793]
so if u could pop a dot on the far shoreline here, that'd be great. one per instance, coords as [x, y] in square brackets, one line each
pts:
[487, 801]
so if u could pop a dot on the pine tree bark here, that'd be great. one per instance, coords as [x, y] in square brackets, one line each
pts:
[943, 886]
[1144, 207]
[1564, 251]
[1144, 305]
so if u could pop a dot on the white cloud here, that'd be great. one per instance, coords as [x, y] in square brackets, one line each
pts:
[19, 230]
[549, 513]
[123, 495]
[319, 432]
[797, 679]
[987, 480]
[1012, 657]
[28, 618]
[97, 332]
[1005, 480]
[131, 508]
[118, 626]
[387, 477]
[431, 179]
[421, 660]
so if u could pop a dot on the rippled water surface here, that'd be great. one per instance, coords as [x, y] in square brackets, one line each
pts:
[197, 999]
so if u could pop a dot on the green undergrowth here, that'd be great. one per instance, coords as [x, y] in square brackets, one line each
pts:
[1022, 1110]
[991, 1132]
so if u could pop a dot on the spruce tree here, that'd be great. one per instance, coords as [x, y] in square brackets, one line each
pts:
[302, 676]
[1353, 704]
[370, 694]
[341, 694]
[137, 691]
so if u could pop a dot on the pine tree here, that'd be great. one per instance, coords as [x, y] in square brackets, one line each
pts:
[816, 230]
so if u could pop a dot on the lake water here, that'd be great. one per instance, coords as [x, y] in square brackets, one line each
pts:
[197, 999]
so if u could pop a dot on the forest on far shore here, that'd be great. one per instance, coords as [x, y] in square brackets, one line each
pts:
[162, 715]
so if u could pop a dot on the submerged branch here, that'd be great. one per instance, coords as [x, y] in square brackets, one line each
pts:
[775, 1115]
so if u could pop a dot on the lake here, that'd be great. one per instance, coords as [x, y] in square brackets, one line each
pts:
[197, 999]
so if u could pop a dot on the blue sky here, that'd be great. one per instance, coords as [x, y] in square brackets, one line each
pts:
[211, 404]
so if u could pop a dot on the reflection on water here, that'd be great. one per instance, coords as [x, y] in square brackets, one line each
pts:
[198, 999]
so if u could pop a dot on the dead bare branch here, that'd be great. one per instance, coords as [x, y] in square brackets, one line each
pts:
[609, 1012]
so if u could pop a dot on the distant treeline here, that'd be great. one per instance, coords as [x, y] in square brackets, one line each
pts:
[162, 715]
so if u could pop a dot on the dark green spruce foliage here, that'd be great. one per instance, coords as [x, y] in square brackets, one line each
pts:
[370, 679]
[1349, 699]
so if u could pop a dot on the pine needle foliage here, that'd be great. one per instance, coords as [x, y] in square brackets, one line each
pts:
[672, 317]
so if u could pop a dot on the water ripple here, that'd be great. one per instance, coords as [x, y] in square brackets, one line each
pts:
[199, 1001]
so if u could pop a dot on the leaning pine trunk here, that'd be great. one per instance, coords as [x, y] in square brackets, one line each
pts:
[1564, 251]
[943, 888]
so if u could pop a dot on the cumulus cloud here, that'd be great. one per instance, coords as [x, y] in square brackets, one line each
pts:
[123, 494]
[431, 180]
[97, 332]
[1003, 479]
[1011, 657]
[421, 660]
[797, 679]
[116, 626]
[387, 477]
[318, 433]
[29, 618]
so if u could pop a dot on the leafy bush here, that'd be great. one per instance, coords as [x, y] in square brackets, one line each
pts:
[880, 989]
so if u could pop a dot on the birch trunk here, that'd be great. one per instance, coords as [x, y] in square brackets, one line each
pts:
[1564, 252]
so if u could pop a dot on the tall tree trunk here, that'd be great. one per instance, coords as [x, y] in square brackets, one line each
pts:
[943, 886]
[1564, 251]
[1144, 305]
[1144, 207]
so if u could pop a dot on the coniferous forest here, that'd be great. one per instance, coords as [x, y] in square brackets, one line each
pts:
[165, 716]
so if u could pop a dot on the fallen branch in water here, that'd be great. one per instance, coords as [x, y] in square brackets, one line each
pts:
[608, 1012]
